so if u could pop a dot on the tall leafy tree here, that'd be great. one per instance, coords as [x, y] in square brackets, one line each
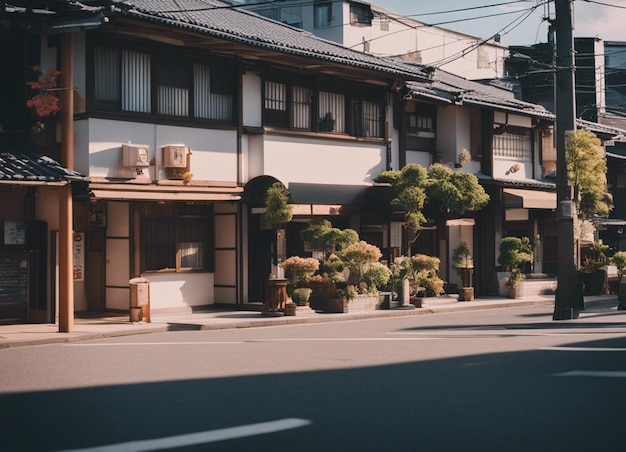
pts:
[434, 193]
[586, 168]
[278, 211]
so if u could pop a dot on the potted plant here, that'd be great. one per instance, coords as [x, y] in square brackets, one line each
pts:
[421, 272]
[298, 269]
[464, 265]
[619, 260]
[593, 273]
[301, 295]
[514, 252]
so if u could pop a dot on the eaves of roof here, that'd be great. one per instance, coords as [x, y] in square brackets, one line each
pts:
[449, 88]
[30, 167]
[515, 183]
[219, 20]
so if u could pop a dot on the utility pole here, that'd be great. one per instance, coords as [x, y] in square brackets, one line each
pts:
[568, 300]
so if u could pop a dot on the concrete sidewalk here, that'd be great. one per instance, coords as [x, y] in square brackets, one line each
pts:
[111, 325]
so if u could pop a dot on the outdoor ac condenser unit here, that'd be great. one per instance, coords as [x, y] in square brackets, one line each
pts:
[175, 156]
[135, 155]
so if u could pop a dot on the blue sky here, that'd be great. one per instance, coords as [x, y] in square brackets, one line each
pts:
[592, 19]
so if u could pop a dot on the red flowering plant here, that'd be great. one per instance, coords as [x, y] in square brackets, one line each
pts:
[45, 102]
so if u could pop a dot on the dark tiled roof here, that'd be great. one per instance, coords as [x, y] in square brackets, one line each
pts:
[452, 89]
[449, 88]
[217, 19]
[32, 167]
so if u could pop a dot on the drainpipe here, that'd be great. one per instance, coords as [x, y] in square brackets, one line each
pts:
[66, 266]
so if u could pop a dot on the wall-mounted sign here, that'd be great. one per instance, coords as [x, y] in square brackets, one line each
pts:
[79, 256]
[14, 233]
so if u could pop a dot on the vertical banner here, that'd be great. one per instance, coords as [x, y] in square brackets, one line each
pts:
[79, 256]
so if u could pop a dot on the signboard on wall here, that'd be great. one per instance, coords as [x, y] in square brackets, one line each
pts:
[79, 256]
[14, 233]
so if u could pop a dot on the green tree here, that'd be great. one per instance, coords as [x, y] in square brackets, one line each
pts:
[452, 192]
[586, 169]
[434, 193]
[278, 211]
[320, 232]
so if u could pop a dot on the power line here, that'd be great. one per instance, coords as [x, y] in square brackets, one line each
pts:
[604, 4]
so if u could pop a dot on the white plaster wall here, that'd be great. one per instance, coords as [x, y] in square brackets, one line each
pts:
[322, 161]
[254, 163]
[214, 152]
[252, 101]
[177, 291]
[502, 166]
[426, 45]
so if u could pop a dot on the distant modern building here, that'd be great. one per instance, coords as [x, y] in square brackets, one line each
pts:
[600, 72]
[615, 88]
[370, 28]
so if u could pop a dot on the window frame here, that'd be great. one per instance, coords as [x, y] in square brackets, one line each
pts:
[220, 82]
[321, 19]
[175, 230]
[348, 120]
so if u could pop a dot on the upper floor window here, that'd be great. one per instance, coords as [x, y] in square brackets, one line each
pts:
[360, 14]
[292, 105]
[323, 14]
[332, 117]
[163, 85]
[515, 144]
[421, 127]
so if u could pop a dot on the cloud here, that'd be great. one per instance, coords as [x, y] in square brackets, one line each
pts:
[605, 22]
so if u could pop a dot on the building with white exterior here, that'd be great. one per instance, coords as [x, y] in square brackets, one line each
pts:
[370, 28]
[183, 115]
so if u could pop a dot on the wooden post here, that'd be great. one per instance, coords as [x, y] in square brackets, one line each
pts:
[66, 264]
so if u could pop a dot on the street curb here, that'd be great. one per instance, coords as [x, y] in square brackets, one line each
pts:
[208, 324]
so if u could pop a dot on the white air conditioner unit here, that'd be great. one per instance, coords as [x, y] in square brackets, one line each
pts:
[135, 155]
[174, 156]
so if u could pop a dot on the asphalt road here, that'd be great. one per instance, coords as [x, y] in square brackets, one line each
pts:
[509, 379]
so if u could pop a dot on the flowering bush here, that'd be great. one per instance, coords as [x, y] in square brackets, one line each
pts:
[348, 292]
[323, 286]
[358, 257]
[298, 269]
[376, 276]
[421, 270]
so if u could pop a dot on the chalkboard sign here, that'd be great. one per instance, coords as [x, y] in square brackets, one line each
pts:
[14, 277]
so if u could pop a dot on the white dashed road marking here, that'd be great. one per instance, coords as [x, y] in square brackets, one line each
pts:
[192, 439]
[592, 373]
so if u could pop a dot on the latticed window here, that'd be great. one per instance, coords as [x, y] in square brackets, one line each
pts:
[176, 237]
[275, 104]
[295, 106]
[174, 85]
[302, 108]
[124, 81]
[367, 118]
[513, 145]
[332, 115]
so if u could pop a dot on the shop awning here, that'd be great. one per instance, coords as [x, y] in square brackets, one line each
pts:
[168, 193]
[327, 194]
[528, 199]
